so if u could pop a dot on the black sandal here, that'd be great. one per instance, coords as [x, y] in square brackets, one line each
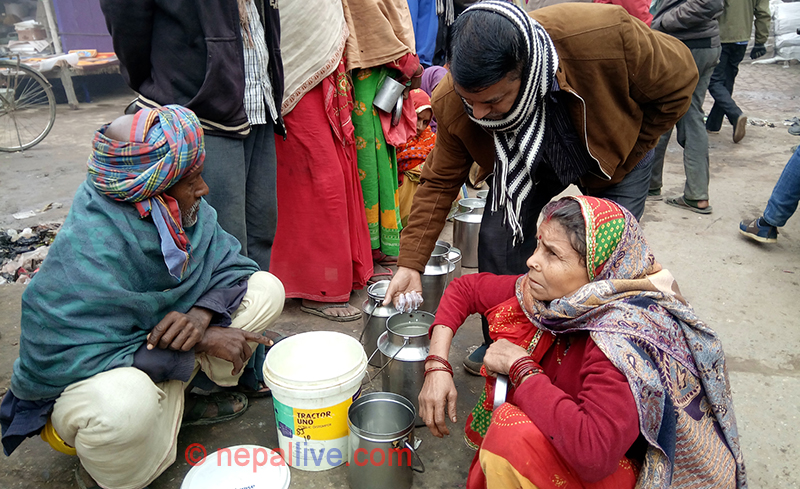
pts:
[224, 402]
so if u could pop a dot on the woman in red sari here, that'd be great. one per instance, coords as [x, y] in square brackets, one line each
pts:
[322, 249]
[614, 381]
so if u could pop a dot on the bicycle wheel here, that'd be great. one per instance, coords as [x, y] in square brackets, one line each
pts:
[27, 107]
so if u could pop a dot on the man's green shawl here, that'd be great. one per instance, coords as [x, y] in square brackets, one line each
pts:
[104, 286]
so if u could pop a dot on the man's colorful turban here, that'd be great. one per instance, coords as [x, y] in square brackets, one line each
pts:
[166, 144]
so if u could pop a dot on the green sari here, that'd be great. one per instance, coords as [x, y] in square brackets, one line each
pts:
[377, 163]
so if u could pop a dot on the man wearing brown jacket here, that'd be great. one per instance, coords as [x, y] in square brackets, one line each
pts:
[573, 93]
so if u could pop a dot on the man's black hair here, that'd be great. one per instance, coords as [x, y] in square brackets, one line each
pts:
[484, 48]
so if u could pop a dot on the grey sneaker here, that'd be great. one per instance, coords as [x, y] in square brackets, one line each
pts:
[474, 361]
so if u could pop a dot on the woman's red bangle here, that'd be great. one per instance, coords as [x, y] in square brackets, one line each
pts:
[437, 369]
[521, 368]
[437, 358]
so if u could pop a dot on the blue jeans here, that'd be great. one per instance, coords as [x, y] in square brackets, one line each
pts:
[721, 86]
[242, 179]
[786, 194]
[692, 135]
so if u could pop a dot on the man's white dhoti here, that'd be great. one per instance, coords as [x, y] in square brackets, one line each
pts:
[124, 427]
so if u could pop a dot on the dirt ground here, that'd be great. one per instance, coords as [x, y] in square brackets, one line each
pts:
[747, 292]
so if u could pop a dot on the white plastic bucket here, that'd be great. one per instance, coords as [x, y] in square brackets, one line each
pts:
[314, 378]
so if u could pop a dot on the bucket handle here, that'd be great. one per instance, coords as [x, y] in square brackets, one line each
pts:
[416, 455]
[459, 214]
[447, 278]
[405, 342]
[366, 323]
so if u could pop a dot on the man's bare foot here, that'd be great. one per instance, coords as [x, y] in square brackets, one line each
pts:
[331, 310]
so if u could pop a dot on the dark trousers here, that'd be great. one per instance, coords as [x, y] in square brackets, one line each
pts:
[721, 86]
[242, 177]
[242, 187]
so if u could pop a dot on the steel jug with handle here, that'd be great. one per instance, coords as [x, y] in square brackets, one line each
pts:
[375, 315]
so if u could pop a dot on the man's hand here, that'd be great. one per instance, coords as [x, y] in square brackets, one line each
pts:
[758, 51]
[230, 344]
[501, 355]
[180, 331]
[404, 281]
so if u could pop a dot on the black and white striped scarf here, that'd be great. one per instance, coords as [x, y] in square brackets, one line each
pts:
[519, 136]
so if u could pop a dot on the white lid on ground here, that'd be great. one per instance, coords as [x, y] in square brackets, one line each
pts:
[229, 468]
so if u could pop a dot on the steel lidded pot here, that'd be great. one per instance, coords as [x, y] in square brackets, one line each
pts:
[466, 229]
[375, 315]
[438, 273]
[382, 443]
[404, 346]
[454, 257]
[471, 206]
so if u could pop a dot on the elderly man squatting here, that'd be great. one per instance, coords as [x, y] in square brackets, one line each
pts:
[141, 289]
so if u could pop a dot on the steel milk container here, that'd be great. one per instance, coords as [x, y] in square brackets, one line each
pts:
[404, 346]
[382, 443]
[438, 273]
[375, 315]
[454, 257]
[466, 227]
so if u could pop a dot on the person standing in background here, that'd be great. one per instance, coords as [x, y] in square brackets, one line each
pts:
[380, 45]
[737, 21]
[322, 248]
[222, 60]
[430, 80]
[426, 26]
[694, 22]
[781, 206]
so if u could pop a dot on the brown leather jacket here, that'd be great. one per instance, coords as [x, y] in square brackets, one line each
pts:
[630, 85]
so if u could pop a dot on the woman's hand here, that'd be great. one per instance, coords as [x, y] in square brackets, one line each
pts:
[438, 391]
[501, 355]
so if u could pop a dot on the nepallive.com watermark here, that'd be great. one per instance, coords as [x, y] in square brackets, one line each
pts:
[302, 456]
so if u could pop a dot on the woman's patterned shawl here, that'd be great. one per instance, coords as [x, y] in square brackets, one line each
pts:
[673, 361]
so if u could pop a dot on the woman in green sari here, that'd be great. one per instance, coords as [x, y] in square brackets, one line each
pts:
[381, 44]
